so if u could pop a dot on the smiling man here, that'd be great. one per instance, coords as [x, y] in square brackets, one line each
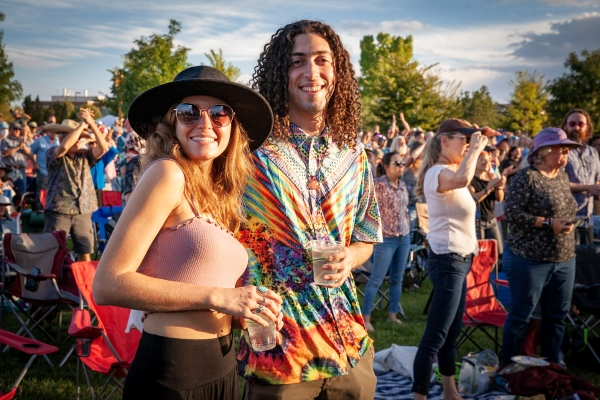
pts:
[313, 181]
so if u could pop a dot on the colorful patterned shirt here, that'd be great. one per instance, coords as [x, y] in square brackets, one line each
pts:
[70, 186]
[393, 203]
[304, 188]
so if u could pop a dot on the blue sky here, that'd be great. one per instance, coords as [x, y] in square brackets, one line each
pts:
[56, 44]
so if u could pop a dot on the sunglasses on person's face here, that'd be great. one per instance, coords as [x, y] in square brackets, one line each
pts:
[189, 114]
[573, 124]
[467, 139]
[398, 163]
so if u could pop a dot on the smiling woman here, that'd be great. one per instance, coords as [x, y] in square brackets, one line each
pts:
[173, 254]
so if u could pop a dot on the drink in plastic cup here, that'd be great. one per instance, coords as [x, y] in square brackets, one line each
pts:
[320, 251]
[262, 337]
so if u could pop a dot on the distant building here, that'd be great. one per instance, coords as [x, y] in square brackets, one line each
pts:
[76, 98]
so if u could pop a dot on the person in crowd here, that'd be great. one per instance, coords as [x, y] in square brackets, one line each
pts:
[97, 171]
[391, 255]
[583, 170]
[7, 223]
[173, 253]
[14, 154]
[539, 260]
[51, 119]
[417, 135]
[20, 117]
[3, 129]
[595, 143]
[38, 156]
[378, 154]
[399, 146]
[487, 188]
[411, 167]
[135, 146]
[71, 198]
[448, 167]
[325, 350]
[502, 146]
[512, 163]
[6, 185]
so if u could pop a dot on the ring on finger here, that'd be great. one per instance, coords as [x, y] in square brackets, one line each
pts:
[264, 301]
[262, 289]
[259, 309]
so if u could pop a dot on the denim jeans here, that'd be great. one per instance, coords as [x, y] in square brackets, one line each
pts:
[549, 284]
[447, 273]
[412, 219]
[391, 255]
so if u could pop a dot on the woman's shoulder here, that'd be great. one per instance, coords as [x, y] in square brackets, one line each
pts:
[164, 170]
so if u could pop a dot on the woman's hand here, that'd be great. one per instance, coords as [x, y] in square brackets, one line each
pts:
[562, 225]
[478, 142]
[244, 301]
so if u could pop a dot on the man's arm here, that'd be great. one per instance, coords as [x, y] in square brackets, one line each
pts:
[593, 190]
[102, 147]
[70, 140]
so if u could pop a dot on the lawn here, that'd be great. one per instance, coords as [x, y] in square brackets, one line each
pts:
[44, 382]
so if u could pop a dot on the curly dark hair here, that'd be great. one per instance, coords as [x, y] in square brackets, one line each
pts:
[270, 78]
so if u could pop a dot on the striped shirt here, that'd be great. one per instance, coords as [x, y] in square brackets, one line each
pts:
[305, 188]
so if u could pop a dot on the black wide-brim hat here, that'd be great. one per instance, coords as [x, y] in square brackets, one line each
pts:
[250, 108]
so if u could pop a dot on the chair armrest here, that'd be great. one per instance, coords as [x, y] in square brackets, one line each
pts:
[501, 282]
[41, 277]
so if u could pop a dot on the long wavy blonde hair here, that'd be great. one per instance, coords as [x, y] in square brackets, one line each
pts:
[219, 193]
[433, 149]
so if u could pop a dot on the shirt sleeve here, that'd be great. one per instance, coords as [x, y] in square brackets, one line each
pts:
[4, 146]
[367, 221]
[110, 154]
[51, 159]
[517, 196]
[34, 146]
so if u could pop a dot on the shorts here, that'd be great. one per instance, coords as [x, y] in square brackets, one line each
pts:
[78, 225]
[167, 368]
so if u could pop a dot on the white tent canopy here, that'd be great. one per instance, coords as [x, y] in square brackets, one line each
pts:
[108, 120]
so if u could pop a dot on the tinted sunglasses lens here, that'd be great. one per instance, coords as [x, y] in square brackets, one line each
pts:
[573, 124]
[187, 114]
[399, 163]
[221, 115]
[468, 139]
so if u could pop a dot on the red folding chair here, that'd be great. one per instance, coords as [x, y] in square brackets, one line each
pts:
[112, 198]
[104, 348]
[27, 346]
[49, 288]
[483, 311]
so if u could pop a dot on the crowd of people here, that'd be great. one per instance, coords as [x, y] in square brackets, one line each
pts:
[233, 182]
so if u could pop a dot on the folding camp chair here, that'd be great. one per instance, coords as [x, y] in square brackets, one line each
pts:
[27, 346]
[111, 198]
[104, 348]
[361, 277]
[585, 311]
[39, 267]
[100, 218]
[483, 311]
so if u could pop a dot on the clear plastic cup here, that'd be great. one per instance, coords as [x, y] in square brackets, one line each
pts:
[262, 337]
[320, 251]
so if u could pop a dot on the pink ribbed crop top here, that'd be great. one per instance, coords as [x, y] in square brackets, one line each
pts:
[198, 252]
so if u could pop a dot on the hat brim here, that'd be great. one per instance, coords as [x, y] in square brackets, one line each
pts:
[566, 142]
[251, 109]
[58, 128]
[7, 169]
[467, 131]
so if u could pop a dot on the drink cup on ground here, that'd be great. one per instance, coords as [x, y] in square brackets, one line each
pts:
[262, 337]
[320, 252]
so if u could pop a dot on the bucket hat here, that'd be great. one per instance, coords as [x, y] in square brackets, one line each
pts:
[250, 108]
[550, 137]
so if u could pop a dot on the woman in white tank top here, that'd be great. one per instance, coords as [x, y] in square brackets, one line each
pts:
[448, 167]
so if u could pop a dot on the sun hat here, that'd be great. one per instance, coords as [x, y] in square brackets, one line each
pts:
[5, 201]
[66, 126]
[549, 137]
[249, 106]
[33, 124]
[5, 167]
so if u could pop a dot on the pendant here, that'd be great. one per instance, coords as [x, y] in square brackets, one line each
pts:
[313, 184]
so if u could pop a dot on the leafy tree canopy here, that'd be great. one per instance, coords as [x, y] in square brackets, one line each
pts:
[392, 81]
[479, 108]
[577, 88]
[155, 60]
[10, 88]
[527, 108]
[218, 61]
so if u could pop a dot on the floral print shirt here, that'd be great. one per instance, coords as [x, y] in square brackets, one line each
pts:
[531, 195]
[305, 188]
[70, 186]
[392, 207]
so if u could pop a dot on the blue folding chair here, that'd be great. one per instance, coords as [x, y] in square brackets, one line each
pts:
[99, 218]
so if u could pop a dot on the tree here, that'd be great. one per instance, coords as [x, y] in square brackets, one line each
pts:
[479, 108]
[34, 108]
[10, 88]
[61, 110]
[579, 88]
[152, 62]
[392, 81]
[218, 61]
[527, 108]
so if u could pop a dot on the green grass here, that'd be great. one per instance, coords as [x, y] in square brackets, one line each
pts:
[44, 382]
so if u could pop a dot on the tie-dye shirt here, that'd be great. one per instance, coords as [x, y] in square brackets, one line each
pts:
[304, 188]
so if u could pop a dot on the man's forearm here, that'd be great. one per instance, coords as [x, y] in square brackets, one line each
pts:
[362, 251]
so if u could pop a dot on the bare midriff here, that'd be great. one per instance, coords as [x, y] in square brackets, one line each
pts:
[188, 324]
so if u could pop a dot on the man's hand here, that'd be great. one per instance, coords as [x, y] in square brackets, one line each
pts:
[86, 115]
[594, 190]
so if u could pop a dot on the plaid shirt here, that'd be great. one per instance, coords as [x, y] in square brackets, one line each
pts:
[323, 334]
[70, 186]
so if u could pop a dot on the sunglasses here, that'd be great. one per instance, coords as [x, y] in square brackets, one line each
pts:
[189, 114]
[398, 163]
[573, 124]
[467, 139]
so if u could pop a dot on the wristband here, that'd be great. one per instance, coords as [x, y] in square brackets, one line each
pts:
[547, 223]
